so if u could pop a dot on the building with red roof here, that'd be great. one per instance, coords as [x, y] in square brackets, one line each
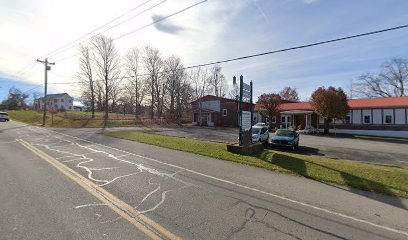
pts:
[365, 113]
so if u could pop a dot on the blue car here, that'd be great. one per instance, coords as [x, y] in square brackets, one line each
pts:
[286, 138]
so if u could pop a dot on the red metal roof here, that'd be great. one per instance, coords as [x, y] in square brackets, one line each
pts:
[353, 103]
[379, 102]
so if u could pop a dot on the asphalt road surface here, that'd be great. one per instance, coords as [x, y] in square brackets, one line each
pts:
[70, 183]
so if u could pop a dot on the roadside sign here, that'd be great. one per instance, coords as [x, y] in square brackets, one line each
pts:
[245, 117]
[246, 120]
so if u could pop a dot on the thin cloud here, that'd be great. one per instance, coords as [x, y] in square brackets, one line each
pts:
[309, 1]
[166, 26]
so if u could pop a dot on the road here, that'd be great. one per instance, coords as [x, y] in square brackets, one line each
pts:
[172, 194]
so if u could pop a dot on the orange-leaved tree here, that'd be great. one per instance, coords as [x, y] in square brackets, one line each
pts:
[269, 105]
[330, 103]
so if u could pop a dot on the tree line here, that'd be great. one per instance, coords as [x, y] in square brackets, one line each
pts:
[142, 80]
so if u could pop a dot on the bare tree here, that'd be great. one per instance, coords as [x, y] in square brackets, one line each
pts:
[201, 85]
[154, 64]
[200, 82]
[391, 81]
[289, 94]
[133, 65]
[174, 74]
[107, 65]
[85, 76]
[234, 92]
[217, 81]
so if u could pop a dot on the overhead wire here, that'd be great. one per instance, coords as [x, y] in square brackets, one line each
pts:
[265, 53]
[96, 29]
[142, 27]
[28, 67]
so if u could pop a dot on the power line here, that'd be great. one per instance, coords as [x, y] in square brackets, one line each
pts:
[31, 89]
[142, 27]
[98, 28]
[266, 53]
[300, 47]
[113, 26]
[162, 19]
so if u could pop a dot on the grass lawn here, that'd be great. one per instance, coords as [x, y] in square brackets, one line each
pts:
[74, 119]
[383, 179]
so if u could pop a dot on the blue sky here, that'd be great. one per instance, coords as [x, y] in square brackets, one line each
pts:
[215, 30]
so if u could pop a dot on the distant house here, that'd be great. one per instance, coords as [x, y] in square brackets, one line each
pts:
[218, 111]
[55, 101]
[365, 114]
[78, 106]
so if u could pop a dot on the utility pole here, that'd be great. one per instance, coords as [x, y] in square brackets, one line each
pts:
[47, 68]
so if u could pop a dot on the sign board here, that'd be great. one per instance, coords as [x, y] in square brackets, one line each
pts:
[246, 120]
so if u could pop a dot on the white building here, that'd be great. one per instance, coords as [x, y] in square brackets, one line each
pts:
[56, 101]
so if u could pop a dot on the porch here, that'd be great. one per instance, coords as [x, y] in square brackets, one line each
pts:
[296, 119]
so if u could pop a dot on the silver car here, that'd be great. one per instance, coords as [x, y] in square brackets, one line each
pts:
[4, 117]
[260, 134]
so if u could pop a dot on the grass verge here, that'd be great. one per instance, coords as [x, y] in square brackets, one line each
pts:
[371, 177]
[72, 119]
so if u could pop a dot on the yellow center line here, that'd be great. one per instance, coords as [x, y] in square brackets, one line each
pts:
[140, 221]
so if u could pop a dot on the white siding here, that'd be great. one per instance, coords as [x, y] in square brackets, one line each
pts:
[321, 120]
[212, 105]
[367, 112]
[377, 116]
[388, 112]
[400, 116]
[356, 117]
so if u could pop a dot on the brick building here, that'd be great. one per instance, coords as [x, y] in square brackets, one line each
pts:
[218, 111]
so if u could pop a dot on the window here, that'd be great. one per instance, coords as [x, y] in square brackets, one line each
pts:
[55, 100]
[283, 119]
[388, 119]
[274, 119]
[367, 119]
[224, 112]
[62, 100]
[348, 119]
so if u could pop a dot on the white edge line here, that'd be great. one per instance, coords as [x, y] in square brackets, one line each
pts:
[249, 188]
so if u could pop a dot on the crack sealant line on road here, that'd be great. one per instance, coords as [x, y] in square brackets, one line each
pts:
[140, 221]
[250, 188]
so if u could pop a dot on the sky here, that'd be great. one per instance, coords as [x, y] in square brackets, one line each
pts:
[211, 31]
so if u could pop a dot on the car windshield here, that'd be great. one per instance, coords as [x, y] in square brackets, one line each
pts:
[285, 133]
[3, 113]
[255, 130]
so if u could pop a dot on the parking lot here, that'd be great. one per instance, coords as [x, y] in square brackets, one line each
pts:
[334, 147]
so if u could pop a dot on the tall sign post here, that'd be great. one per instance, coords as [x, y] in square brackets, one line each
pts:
[245, 117]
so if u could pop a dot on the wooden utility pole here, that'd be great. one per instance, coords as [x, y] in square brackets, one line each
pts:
[47, 68]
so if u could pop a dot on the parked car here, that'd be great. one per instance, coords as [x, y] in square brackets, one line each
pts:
[311, 130]
[260, 124]
[4, 117]
[286, 138]
[260, 133]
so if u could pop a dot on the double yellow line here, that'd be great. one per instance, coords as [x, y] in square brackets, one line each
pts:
[137, 219]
